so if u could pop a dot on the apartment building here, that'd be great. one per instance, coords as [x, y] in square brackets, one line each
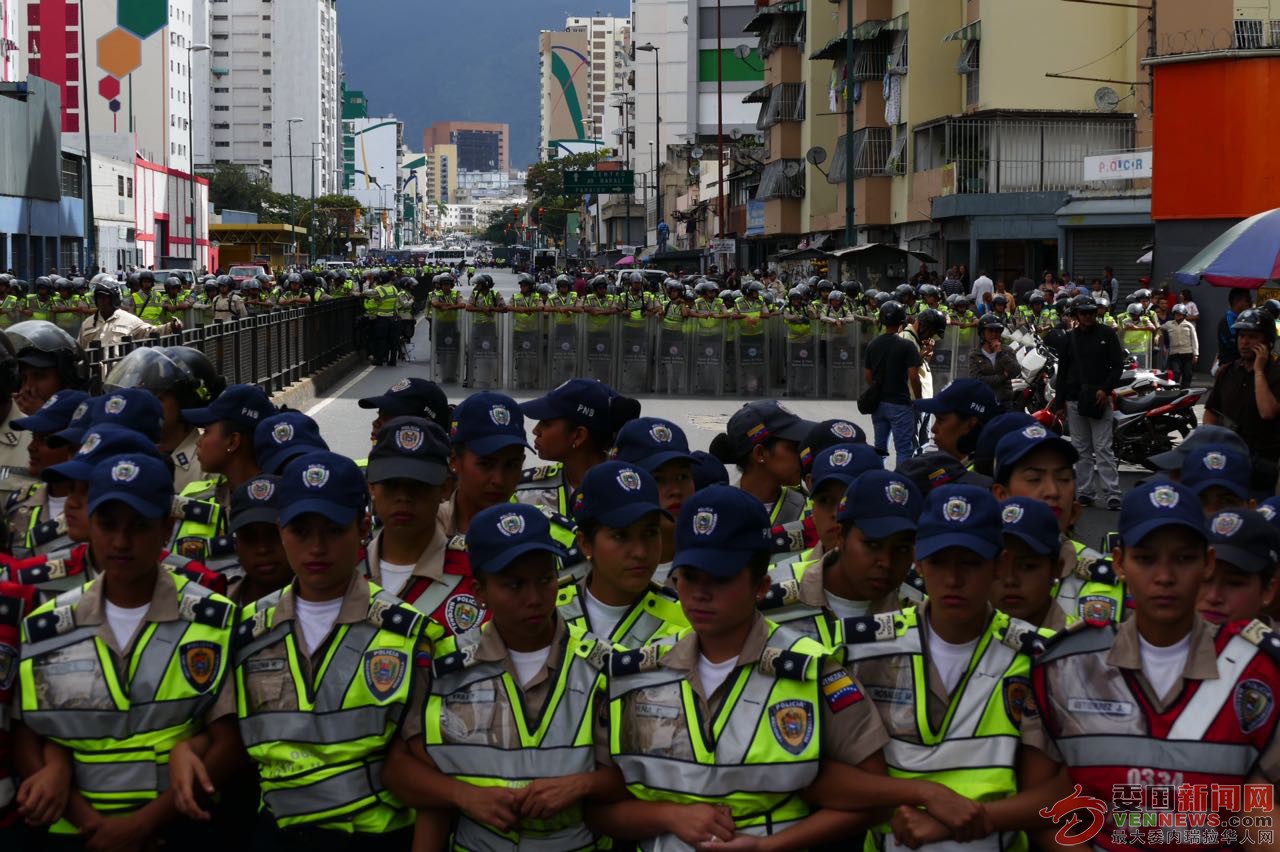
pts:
[482, 146]
[608, 40]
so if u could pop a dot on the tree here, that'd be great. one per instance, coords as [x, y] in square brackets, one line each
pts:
[502, 227]
[333, 218]
[231, 187]
[545, 185]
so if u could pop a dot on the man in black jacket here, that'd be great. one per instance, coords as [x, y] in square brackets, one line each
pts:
[1092, 360]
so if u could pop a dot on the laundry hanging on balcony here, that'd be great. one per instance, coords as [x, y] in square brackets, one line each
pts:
[892, 98]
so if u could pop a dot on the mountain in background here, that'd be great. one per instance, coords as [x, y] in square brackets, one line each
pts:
[432, 61]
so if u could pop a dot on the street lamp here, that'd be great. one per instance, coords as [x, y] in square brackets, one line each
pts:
[191, 149]
[311, 221]
[292, 206]
[657, 122]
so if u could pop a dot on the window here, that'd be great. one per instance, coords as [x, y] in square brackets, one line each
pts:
[128, 184]
[221, 53]
[221, 108]
[222, 144]
[221, 90]
[786, 103]
[896, 164]
[968, 66]
[266, 143]
[929, 148]
[1248, 34]
[870, 154]
[120, 185]
[733, 19]
[222, 17]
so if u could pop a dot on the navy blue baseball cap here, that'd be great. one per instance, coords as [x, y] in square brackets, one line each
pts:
[1201, 436]
[412, 397]
[1217, 464]
[1270, 511]
[616, 494]
[881, 503]
[933, 470]
[80, 420]
[1156, 504]
[1245, 539]
[487, 422]
[324, 483]
[844, 463]
[996, 428]
[960, 516]
[826, 434]
[255, 502]
[130, 408]
[99, 442]
[968, 397]
[1017, 445]
[758, 421]
[410, 448]
[283, 437]
[1033, 522]
[244, 406]
[719, 529]
[135, 479]
[500, 534]
[651, 442]
[708, 470]
[581, 401]
[55, 415]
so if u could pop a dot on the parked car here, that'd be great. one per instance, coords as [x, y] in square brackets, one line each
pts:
[240, 274]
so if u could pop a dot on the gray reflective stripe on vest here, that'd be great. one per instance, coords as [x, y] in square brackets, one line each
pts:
[315, 728]
[124, 776]
[474, 837]
[1068, 596]
[31, 650]
[1150, 753]
[736, 737]
[155, 659]
[342, 789]
[343, 664]
[717, 779]
[1212, 695]
[436, 594]
[951, 754]
[1084, 641]
[112, 724]
[908, 643]
[271, 637]
[621, 685]
[512, 764]
[977, 692]
[640, 632]
[59, 543]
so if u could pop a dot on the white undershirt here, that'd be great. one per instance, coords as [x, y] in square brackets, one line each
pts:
[394, 575]
[603, 617]
[124, 621]
[713, 674]
[951, 661]
[316, 620]
[57, 506]
[845, 608]
[528, 663]
[1163, 666]
[991, 356]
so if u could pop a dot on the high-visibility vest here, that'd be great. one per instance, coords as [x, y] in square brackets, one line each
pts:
[121, 726]
[598, 323]
[751, 309]
[673, 319]
[707, 325]
[567, 301]
[656, 614]
[8, 310]
[637, 307]
[525, 320]
[488, 300]
[1212, 734]
[450, 603]
[790, 506]
[799, 324]
[746, 767]
[558, 743]
[783, 605]
[1092, 592]
[544, 486]
[975, 750]
[202, 532]
[15, 602]
[67, 320]
[321, 765]
[40, 310]
[147, 306]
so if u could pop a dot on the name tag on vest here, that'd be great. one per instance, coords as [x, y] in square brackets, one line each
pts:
[1100, 706]
[889, 695]
[656, 711]
[472, 696]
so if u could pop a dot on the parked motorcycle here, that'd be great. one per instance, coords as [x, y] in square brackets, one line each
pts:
[1147, 424]
[1039, 365]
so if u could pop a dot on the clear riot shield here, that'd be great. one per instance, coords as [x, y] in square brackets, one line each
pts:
[949, 358]
[751, 359]
[636, 355]
[802, 360]
[601, 336]
[671, 367]
[843, 360]
[482, 335]
[707, 375]
[1138, 342]
[446, 348]
[523, 350]
[563, 348]
[776, 366]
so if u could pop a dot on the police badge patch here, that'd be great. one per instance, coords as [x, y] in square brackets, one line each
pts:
[660, 433]
[629, 479]
[90, 444]
[842, 429]
[261, 490]
[1164, 497]
[383, 672]
[792, 724]
[1016, 692]
[1011, 514]
[511, 524]
[1097, 610]
[200, 664]
[462, 612]
[499, 415]
[282, 433]
[704, 522]
[124, 471]
[897, 493]
[315, 476]
[409, 438]
[841, 458]
[957, 510]
[115, 405]
[1253, 702]
[403, 384]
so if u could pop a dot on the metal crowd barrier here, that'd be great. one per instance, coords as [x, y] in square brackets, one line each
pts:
[270, 350]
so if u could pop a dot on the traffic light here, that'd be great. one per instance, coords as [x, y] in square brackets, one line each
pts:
[515, 214]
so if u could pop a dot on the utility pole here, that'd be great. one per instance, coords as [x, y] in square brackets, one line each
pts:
[720, 121]
[191, 151]
[293, 213]
[311, 221]
[849, 238]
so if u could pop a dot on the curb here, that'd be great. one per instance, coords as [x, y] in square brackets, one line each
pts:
[297, 395]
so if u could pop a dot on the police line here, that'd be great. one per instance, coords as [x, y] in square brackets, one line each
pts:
[697, 357]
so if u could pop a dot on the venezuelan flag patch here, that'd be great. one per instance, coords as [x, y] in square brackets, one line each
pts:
[840, 691]
[757, 433]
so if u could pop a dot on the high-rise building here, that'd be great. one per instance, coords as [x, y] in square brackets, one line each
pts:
[482, 146]
[564, 83]
[609, 40]
[378, 146]
[270, 63]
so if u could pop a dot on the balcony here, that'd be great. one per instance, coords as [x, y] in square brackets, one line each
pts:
[874, 154]
[785, 103]
[779, 25]
[781, 179]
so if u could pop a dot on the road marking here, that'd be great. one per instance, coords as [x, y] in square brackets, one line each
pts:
[320, 406]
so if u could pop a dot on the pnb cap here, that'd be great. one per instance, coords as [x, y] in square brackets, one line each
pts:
[324, 483]
[881, 503]
[1016, 446]
[966, 397]
[719, 529]
[844, 463]
[410, 448]
[996, 428]
[1201, 436]
[1157, 504]
[1270, 511]
[99, 443]
[960, 516]
[486, 423]
[135, 479]
[708, 470]
[412, 398]
[757, 422]
[502, 533]
[54, 415]
[1033, 522]
[1245, 539]
[256, 502]
[826, 434]
[244, 406]
[651, 442]
[581, 401]
[283, 437]
[76, 426]
[130, 408]
[1217, 464]
[616, 494]
[933, 470]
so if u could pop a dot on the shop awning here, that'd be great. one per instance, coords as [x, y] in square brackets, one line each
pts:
[766, 13]
[833, 49]
[760, 95]
[972, 32]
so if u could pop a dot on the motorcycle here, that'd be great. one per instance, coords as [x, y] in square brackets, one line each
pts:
[1146, 424]
[1039, 366]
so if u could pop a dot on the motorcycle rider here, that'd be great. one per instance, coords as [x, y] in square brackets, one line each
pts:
[995, 364]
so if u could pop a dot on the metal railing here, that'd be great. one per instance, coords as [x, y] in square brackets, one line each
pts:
[270, 350]
[786, 103]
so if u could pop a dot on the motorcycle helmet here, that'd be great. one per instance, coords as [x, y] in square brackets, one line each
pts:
[39, 343]
[837, 296]
[1139, 295]
[824, 284]
[545, 289]
[928, 290]
[1271, 307]
[892, 314]
[228, 281]
[1255, 320]
[107, 287]
[795, 293]
[635, 278]
[705, 286]
[930, 323]
[1181, 310]
[1084, 304]
[173, 281]
[45, 282]
[146, 275]
[999, 299]
[882, 298]
[751, 288]
[207, 385]
[564, 281]
[149, 368]
[1134, 310]
[525, 278]
[1036, 298]
[852, 288]
[990, 321]
[903, 293]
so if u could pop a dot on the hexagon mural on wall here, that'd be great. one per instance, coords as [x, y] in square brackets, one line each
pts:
[119, 53]
[142, 17]
[109, 87]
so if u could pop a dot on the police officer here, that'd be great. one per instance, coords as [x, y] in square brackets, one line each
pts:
[228, 304]
[1246, 549]
[673, 366]
[225, 444]
[763, 439]
[175, 300]
[411, 397]
[39, 305]
[380, 304]
[637, 307]
[13, 442]
[600, 308]
[10, 310]
[109, 325]
[1027, 577]
[145, 303]
[261, 565]
[661, 448]
[526, 333]
[484, 306]
[28, 513]
[799, 316]
[67, 306]
[446, 337]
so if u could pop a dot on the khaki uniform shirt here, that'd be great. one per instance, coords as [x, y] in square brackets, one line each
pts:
[186, 469]
[430, 564]
[122, 324]
[813, 591]
[13, 445]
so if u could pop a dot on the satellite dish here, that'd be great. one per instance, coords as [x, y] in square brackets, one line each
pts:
[696, 153]
[742, 51]
[817, 155]
[1106, 99]
[695, 170]
[791, 168]
[735, 134]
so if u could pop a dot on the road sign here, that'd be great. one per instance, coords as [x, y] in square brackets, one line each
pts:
[721, 246]
[619, 182]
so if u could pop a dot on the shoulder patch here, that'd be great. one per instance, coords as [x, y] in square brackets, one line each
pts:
[644, 659]
[204, 610]
[791, 665]
[393, 617]
[1023, 638]
[786, 593]
[455, 661]
[45, 532]
[1260, 633]
[870, 628]
[198, 511]
[46, 625]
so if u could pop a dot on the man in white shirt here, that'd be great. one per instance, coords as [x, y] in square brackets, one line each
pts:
[109, 325]
[1184, 345]
[981, 284]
